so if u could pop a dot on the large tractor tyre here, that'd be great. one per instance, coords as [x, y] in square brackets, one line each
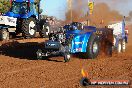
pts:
[4, 34]
[92, 47]
[29, 28]
[44, 31]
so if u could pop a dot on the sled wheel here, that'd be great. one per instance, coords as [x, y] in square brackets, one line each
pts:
[39, 54]
[67, 57]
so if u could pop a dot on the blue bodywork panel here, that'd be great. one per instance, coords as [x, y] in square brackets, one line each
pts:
[80, 38]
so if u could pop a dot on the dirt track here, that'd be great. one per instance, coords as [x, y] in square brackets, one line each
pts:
[19, 69]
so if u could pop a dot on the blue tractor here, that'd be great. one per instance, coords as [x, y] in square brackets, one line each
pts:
[84, 41]
[22, 18]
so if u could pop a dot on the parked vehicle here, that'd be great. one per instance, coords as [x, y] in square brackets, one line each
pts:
[23, 18]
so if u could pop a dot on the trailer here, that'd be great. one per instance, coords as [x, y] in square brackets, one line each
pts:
[24, 18]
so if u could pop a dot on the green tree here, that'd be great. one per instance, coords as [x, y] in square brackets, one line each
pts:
[4, 5]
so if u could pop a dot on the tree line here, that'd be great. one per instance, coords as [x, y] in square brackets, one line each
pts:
[4, 5]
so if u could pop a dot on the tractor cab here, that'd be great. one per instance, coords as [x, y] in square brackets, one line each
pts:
[19, 8]
[22, 9]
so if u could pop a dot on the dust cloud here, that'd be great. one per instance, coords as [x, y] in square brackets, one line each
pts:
[102, 14]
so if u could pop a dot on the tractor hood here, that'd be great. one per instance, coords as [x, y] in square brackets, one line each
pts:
[84, 31]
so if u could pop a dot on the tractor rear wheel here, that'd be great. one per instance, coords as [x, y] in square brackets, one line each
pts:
[4, 34]
[92, 47]
[29, 28]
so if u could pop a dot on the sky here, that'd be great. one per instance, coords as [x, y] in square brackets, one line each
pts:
[54, 8]
[58, 8]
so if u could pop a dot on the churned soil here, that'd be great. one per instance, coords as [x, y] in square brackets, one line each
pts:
[19, 67]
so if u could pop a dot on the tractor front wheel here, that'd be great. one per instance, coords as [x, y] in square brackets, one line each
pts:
[67, 57]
